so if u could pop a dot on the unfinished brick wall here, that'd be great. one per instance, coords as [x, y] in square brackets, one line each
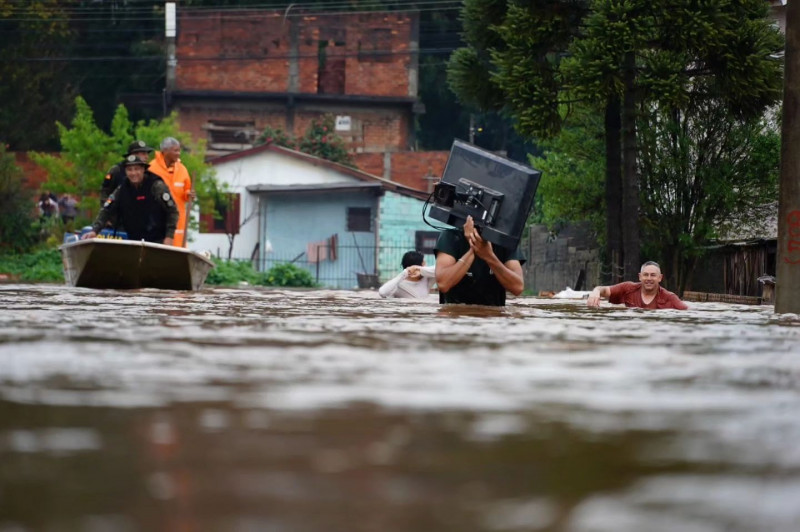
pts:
[371, 163]
[412, 168]
[381, 60]
[232, 51]
[371, 131]
[195, 119]
[251, 51]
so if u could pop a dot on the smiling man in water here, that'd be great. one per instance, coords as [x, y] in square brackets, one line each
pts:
[647, 293]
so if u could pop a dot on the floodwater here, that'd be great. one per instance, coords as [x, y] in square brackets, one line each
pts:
[277, 410]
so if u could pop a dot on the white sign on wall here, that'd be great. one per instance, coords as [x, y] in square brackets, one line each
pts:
[342, 123]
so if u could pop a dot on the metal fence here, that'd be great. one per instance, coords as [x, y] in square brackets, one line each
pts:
[351, 263]
[344, 269]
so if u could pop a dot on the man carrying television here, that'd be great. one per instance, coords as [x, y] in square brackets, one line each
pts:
[470, 270]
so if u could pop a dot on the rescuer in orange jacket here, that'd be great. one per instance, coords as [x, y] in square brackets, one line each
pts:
[168, 166]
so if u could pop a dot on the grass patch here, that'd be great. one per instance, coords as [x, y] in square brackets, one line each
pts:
[43, 266]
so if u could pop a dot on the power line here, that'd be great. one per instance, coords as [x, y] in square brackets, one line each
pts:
[370, 54]
[344, 5]
[231, 12]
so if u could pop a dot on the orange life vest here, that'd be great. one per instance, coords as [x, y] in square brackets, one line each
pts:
[180, 186]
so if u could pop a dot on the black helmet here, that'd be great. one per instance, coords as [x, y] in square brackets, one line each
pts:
[137, 146]
[132, 160]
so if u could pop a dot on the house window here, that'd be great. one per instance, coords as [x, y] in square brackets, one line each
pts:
[426, 241]
[232, 135]
[359, 219]
[225, 218]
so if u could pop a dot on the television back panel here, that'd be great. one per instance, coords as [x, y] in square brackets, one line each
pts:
[516, 182]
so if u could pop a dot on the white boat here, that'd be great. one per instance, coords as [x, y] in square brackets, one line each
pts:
[107, 263]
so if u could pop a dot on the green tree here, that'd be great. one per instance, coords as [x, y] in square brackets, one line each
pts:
[658, 53]
[17, 224]
[87, 152]
[705, 172]
[536, 59]
[34, 85]
[573, 165]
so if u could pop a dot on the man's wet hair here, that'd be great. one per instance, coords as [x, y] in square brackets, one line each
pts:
[412, 258]
[649, 263]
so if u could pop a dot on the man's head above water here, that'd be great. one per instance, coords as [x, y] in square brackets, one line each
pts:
[413, 258]
[650, 276]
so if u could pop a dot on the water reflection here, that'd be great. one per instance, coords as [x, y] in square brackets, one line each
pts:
[325, 411]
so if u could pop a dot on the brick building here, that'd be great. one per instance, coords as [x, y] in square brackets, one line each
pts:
[238, 71]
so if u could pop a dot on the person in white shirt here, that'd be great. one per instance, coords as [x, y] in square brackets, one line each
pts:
[415, 281]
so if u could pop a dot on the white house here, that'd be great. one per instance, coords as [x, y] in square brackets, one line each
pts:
[336, 221]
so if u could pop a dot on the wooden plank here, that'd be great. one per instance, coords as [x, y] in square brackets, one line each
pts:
[721, 298]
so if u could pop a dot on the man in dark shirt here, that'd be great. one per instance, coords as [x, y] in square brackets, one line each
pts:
[470, 270]
[141, 206]
[116, 174]
[647, 293]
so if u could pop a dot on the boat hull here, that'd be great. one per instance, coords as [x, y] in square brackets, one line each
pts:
[126, 264]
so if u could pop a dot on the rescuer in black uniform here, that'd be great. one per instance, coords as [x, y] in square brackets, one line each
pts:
[142, 206]
[116, 174]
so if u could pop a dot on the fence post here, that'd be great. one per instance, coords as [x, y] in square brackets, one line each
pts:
[318, 261]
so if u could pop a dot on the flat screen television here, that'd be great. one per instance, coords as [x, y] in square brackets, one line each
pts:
[497, 192]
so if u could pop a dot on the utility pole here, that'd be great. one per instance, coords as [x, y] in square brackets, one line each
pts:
[787, 285]
[170, 32]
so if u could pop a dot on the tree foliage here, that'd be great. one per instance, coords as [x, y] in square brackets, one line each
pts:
[572, 166]
[17, 224]
[537, 59]
[34, 85]
[705, 173]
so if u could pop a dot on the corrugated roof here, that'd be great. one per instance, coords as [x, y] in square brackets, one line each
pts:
[761, 224]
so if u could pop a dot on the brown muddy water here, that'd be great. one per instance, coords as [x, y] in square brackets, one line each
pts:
[274, 410]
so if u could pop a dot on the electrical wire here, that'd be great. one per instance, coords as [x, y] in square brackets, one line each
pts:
[233, 13]
[267, 57]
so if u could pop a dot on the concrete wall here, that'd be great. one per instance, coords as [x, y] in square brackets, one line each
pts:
[400, 217]
[292, 222]
[555, 261]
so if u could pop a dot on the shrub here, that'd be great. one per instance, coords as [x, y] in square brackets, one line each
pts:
[288, 275]
[40, 266]
[233, 272]
[276, 136]
[321, 140]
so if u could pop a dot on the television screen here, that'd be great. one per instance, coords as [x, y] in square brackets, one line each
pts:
[497, 192]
